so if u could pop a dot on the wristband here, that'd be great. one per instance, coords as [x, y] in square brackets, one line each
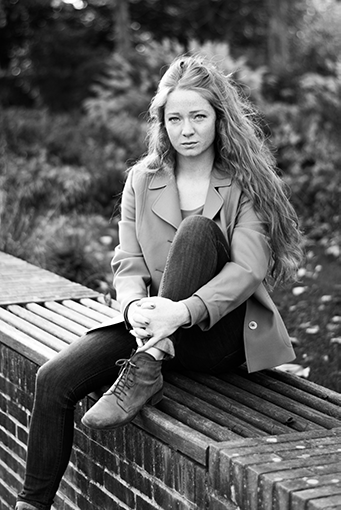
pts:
[127, 324]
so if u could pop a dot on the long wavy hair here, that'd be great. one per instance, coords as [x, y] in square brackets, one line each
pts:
[240, 150]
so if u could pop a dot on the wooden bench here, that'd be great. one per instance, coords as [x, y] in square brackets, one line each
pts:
[268, 440]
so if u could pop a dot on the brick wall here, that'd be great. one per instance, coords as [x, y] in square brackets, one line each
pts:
[122, 469]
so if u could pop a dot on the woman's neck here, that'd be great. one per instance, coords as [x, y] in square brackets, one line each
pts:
[194, 168]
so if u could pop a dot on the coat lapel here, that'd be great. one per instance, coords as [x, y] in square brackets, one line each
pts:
[214, 199]
[167, 206]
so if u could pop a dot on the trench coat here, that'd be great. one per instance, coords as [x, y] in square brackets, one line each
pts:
[150, 217]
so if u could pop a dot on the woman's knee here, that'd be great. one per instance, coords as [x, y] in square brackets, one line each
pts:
[51, 379]
[203, 235]
[201, 227]
[197, 223]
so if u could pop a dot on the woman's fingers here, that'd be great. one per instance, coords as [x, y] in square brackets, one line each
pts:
[146, 305]
[140, 333]
[147, 345]
[140, 319]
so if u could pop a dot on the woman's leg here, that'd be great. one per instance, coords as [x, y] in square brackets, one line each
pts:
[199, 251]
[84, 366]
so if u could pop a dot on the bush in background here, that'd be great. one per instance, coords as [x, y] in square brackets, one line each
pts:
[73, 164]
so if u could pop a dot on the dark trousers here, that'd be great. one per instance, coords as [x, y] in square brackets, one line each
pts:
[197, 254]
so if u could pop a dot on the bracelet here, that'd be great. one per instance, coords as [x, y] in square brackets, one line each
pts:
[128, 326]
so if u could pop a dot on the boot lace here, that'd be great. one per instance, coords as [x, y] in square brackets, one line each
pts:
[125, 379]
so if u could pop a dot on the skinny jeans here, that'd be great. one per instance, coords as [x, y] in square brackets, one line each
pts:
[198, 252]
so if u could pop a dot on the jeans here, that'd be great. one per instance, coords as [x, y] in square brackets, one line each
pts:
[198, 252]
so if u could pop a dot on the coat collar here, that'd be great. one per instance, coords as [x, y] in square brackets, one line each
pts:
[167, 206]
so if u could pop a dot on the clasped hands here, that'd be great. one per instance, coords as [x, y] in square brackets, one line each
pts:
[155, 318]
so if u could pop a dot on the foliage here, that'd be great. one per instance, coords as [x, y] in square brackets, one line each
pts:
[51, 53]
[48, 174]
[73, 249]
[318, 39]
[61, 176]
[306, 136]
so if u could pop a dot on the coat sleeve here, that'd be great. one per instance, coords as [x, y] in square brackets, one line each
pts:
[239, 278]
[131, 275]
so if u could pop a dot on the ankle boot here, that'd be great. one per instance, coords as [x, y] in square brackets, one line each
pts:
[139, 382]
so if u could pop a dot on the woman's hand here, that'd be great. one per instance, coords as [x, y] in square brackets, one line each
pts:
[155, 318]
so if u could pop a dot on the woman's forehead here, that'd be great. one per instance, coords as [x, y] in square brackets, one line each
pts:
[187, 100]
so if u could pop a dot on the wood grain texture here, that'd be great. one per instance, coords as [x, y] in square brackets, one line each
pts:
[269, 440]
[21, 282]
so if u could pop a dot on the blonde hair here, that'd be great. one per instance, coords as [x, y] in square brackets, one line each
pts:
[240, 151]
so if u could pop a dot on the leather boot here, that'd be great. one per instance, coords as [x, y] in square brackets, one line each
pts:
[139, 382]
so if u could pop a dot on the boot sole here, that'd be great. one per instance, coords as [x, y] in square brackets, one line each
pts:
[154, 399]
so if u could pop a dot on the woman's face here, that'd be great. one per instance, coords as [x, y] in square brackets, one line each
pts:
[190, 123]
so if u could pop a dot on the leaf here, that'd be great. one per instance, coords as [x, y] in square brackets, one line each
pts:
[297, 291]
[312, 330]
[292, 368]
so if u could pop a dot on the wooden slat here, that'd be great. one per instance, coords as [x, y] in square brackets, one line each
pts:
[208, 410]
[247, 466]
[65, 323]
[327, 503]
[301, 413]
[253, 417]
[21, 282]
[309, 387]
[45, 338]
[164, 427]
[246, 396]
[269, 485]
[88, 312]
[299, 395]
[43, 324]
[307, 488]
[71, 314]
[112, 311]
[24, 344]
[196, 421]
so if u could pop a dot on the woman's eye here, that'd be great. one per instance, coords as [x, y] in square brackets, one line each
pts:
[173, 119]
[200, 116]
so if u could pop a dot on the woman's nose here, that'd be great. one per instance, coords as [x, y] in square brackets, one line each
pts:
[187, 128]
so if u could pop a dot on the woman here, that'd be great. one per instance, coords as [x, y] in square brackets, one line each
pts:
[205, 222]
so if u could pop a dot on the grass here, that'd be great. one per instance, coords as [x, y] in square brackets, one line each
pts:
[311, 309]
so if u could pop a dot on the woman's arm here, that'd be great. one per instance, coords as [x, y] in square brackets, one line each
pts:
[234, 284]
[239, 279]
[131, 275]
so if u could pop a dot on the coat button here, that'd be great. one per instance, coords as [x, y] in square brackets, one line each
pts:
[253, 325]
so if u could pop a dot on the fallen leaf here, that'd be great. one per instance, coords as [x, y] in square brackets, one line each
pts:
[106, 240]
[334, 250]
[304, 325]
[312, 330]
[297, 291]
[292, 368]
